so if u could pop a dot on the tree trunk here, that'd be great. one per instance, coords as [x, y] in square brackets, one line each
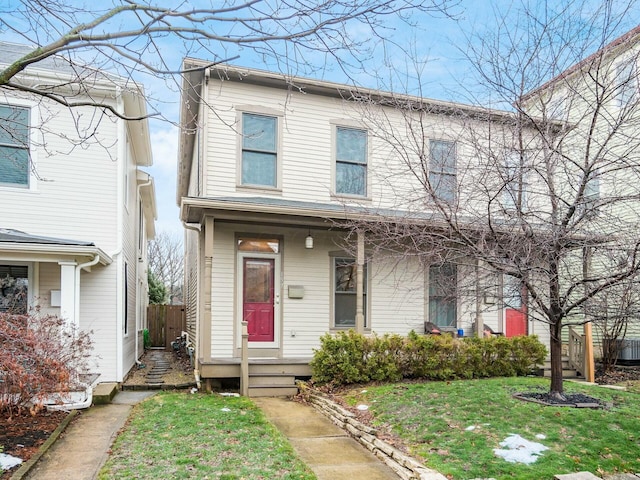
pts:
[555, 345]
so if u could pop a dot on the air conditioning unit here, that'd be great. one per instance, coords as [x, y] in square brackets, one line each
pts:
[628, 350]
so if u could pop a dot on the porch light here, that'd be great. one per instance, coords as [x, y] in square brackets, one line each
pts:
[308, 242]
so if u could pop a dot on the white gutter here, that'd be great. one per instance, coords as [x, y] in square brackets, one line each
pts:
[76, 293]
[140, 212]
[122, 160]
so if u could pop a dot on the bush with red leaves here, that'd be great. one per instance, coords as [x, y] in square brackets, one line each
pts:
[39, 355]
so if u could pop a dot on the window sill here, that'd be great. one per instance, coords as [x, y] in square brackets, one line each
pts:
[346, 329]
[344, 196]
[259, 188]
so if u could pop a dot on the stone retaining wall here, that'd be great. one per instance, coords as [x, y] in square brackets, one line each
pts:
[406, 467]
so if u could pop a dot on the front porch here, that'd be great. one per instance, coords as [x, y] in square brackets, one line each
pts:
[267, 377]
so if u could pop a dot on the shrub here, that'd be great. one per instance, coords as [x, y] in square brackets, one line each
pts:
[146, 339]
[348, 357]
[39, 355]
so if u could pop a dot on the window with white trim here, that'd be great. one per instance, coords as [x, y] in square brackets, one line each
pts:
[443, 295]
[515, 182]
[14, 288]
[259, 150]
[591, 195]
[442, 170]
[351, 161]
[626, 83]
[14, 146]
[344, 292]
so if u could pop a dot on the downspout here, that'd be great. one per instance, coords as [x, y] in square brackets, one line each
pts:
[196, 372]
[145, 184]
[122, 159]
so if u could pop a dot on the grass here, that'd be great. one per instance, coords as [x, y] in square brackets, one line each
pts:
[180, 435]
[432, 419]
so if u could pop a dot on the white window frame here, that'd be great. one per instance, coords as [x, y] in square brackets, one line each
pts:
[433, 298]
[335, 129]
[34, 125]
[342, 256]
[263, 112]
[437, 171]
[626, 82]
[515, 181]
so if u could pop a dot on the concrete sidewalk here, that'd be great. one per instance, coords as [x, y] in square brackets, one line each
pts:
[327, 449]
[83, 448]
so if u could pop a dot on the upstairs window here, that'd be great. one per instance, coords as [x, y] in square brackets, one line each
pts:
[514, 198]
[14, 146]
[443, 295]
[344, 291]
[351, 161]
[259, 150]
[591, 195]
[626, 83]
[442, 170]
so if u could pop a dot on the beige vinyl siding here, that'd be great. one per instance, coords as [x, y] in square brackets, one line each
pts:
[76, 196]
[191, 284]
[49, 277]
[222, 293]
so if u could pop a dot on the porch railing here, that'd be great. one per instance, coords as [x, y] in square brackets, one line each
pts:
[576, 351]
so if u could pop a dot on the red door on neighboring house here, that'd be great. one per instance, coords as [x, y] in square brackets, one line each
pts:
[257, 298]
[515, 307]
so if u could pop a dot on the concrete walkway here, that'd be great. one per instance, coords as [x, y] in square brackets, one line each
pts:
[83, 448]
[327, 449]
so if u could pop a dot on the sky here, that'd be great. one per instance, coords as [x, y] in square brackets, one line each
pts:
[434, 47]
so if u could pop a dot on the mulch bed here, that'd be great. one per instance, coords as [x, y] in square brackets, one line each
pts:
[577, 400]
[22, 435]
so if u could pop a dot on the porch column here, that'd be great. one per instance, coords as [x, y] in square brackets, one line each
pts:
[205, 320]
[68, 293]
[589, 363]
[360, 283]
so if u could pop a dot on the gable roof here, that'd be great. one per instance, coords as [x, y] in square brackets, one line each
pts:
[623, 41]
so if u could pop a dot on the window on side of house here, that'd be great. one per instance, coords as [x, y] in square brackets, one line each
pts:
[259, 150]
[591, 195]
[14, 288]
[626, 83]
[14, 146]
[515, 185]
[344, 293]
[351, 161]
[442, 170]
[443, 295]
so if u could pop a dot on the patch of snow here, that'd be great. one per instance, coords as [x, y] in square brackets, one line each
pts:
[519, 450]
[225, 409]
[362, 407]
[541, 436]
[363, 391]
[229, 394]
[193, 390]
[7, 461]
[470, 428]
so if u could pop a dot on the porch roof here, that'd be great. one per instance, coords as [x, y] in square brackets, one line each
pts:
[18, 245]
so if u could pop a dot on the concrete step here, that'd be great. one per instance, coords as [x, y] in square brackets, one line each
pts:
[104, 393]
[577, 476]
[272, 391]
[566, 373]
[283, 379]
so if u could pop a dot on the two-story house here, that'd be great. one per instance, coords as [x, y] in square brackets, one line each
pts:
[273, 173]
[77, 210]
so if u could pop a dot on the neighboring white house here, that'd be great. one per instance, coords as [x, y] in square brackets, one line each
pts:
[269, 167]
[77, 211]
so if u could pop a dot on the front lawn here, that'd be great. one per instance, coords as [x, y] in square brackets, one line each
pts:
[455, 426]
[200, 436]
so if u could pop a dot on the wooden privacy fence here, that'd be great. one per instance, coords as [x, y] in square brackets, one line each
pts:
[165, 324]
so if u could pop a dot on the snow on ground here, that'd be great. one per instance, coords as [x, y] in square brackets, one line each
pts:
[519, 450]
[7, 461]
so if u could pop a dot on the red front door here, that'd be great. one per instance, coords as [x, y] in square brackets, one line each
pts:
[257, 298]
[515, 307]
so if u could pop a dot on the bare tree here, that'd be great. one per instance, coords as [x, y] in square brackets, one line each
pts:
[142, 40]
[545, 194]
[166, 262]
